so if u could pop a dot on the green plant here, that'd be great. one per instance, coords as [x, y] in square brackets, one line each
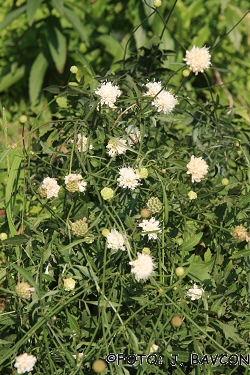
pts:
[97, 268]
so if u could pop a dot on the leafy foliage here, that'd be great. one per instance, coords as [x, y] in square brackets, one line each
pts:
[108, 311]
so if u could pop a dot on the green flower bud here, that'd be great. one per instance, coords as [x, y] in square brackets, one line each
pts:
[225, 181]
[142, 172]
[80, 227]
[154, 205]
[23, 119]
[107, 193]
[186, 73]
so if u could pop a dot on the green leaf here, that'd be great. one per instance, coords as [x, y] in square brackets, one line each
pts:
[239, 254]
[11, 188]
[36, 77]
[72, 323]
[134, 339]
[58, 4]
[198, 270]
[76, 23]
[12, 77]
[32, 6]
[12, 16]
[58, 47]
[17, 240]
[207, 255]
[230, 332]
[192, 242]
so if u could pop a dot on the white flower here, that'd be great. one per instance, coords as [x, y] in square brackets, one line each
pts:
[25, 363]
[115, 240]
[165, 102]
[198, 168]
[192, 195]
[82, 143]
[74, 182]
[128, 178]
[150, 225]
[153, 88]
[153, 348]
[195, 292]
[69, 284]
[108, 94]
[133, 133]
[116, 147]
[198, 59]
[80, 356]
[49, 188]
[142, 267]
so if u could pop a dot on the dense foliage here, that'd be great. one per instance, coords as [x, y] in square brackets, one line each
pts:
[124, 205]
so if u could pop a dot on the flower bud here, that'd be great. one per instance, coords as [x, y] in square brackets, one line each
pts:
[107, 193]
[99, 366]
[3, 236]
[157, 3]
[176, 321]
[23, 119]
[74, 69]
[145, 213]
[225, 181]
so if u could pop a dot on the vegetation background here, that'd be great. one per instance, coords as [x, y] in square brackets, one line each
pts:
[40, 41]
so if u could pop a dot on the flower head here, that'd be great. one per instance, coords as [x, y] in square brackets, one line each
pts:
[80, 227]
[49, 188]
[198, 59]
[154, 205]
[134, 134]
[82, 143]
[24, 290]
[165, 102]
[128, 178]
[25, 363]
[69, 284]
[108, 94]
[115, 146]
[198, 168]
[74, 182]
[195, 292]
[142, 267]
[115, 240]
[153, 88]
[192, 195]
[150, 225]
[107, 193]
[240, 233]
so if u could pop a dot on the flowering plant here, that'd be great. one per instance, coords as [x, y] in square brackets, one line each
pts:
[123, 188]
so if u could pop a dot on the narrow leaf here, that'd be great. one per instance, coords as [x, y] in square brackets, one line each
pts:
[11, 78]
[76, 23]
[36, 77]
[58, 48]
[12, 16]
[32, 6]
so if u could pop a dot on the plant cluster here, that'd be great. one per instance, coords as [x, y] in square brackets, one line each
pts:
[125, 225]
